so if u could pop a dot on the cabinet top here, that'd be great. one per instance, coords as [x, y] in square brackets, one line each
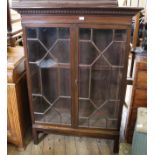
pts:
[73, 7]
[64, 3]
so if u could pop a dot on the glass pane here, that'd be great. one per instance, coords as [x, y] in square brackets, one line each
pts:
[86, 108]
[50, 83]
[85, 34]
[64, 33]
[61, 51]
[59, 113]
[83, 122]
[100, 80]
[97, 121]
[48, 36]
[32, 33]
[100, 118]
[48, 62]
[112, 124]
[88, 53]
[102, 38]
[51, 117]
[49, 57]
[35, 78]
[100, 63]
[36, 50]
[120, 35]
[65, 82]
[115, 53]
[84, 82]
[40, 105]
[63, 107]
[115, 79]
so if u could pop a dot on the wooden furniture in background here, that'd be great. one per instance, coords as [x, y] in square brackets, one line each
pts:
[17, 106]
[77, 55]
[139, 94]
[136, 29]
[134, 41]
[14, 28]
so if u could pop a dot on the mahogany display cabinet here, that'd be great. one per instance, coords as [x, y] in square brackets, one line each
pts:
[76, 56]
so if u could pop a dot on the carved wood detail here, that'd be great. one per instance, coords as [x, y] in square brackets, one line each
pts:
[78, 11]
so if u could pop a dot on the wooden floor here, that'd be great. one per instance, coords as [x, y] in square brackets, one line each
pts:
[65, 145]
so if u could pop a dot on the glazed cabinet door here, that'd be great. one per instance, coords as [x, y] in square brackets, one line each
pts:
[101, 60]
[48, 51]
[84, 91]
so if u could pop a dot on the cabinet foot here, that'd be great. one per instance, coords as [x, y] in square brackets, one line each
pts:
[116, 145]
[35, 137]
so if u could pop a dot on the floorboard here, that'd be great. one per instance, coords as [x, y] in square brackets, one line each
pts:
[48, 145]
[81, 146]
[70, 145]
[65, 145]
[59, 145]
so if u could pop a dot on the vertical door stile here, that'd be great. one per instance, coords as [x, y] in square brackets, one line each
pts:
[74, 74]
[28, 72]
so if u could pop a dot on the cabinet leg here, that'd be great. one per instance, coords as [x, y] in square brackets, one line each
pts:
[35, 136]
[116, 145]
